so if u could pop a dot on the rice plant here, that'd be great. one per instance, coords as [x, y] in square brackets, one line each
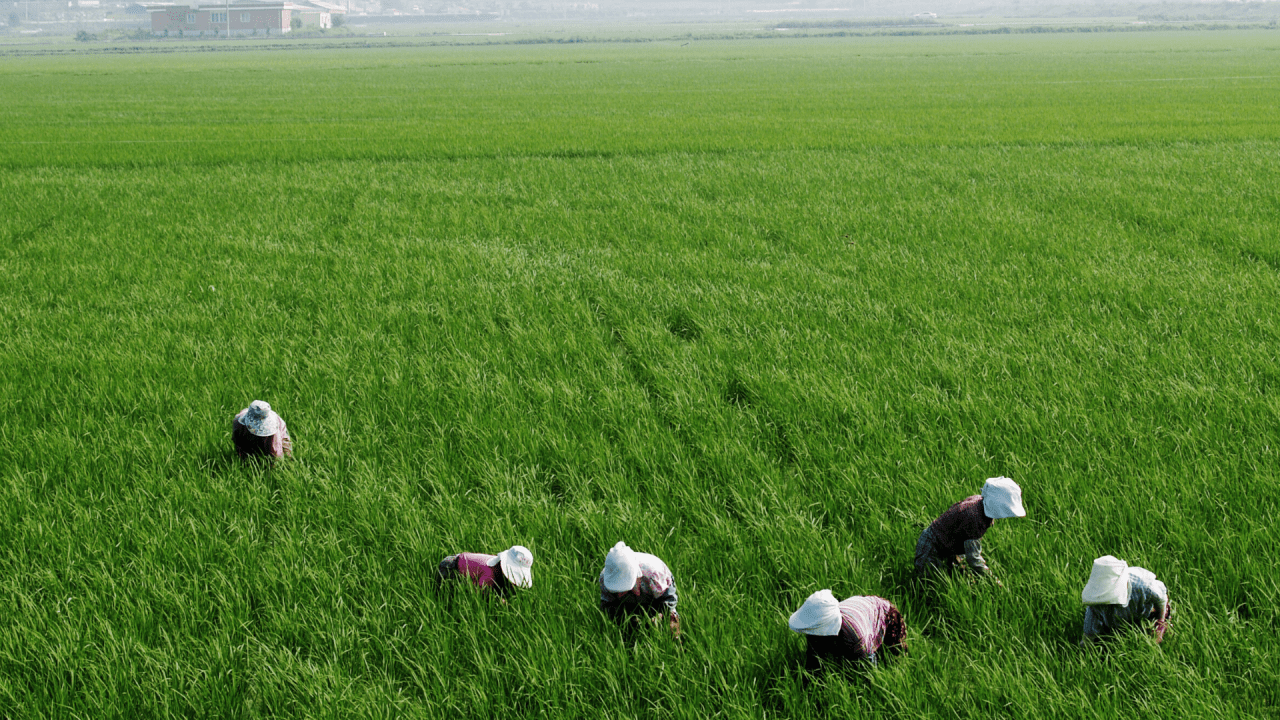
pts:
[762, 308]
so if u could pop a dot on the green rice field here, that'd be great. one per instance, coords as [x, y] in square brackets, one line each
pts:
[761, 307]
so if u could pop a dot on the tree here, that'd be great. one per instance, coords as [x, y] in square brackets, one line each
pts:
[15, 21]
[296, 23]
[336, 20]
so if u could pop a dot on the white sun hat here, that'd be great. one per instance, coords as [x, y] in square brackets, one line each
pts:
[620, 568]
[1002, 498]
[1108, 583]
[516, 562]
[260, 419]
[819, 615]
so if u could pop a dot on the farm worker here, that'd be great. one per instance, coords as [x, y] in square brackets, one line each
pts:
[959, 530]
[637, 583]
[515, 564]
[1118, 594]
[853, 629]
[258, 430]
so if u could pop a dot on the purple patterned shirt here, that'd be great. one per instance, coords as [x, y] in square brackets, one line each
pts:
[960, 523]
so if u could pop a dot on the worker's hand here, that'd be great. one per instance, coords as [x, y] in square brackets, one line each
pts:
[675, 626]
[996, 580]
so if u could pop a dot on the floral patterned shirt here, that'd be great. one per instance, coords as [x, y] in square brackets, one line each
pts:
[655, 589]
[1148, 601]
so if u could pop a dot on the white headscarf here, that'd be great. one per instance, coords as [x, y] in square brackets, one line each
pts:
[621, 569]
[819, 615]
[1108, 583]
[1002, 498]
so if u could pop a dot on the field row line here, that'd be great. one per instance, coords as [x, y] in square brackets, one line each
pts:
[1137, 80]
[156, 142]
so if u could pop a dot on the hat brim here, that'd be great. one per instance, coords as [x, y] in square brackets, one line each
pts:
[1098, 591]
[999, 509]
[621, 569]
[1002, 498]
[810, 620]
[516, 575]
[1002, 512]
[269, 426]
[618, 581]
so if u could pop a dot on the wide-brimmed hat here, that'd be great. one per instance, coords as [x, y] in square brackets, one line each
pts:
[516, 562]
[819, 615]
[260, 419]
[1108, 583]
[1002, 498]
[620, 568]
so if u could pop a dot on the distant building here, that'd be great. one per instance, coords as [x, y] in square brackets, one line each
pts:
[247, 17]
[331, 8]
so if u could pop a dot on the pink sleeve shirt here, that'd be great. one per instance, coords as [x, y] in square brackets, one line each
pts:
[476, 566]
